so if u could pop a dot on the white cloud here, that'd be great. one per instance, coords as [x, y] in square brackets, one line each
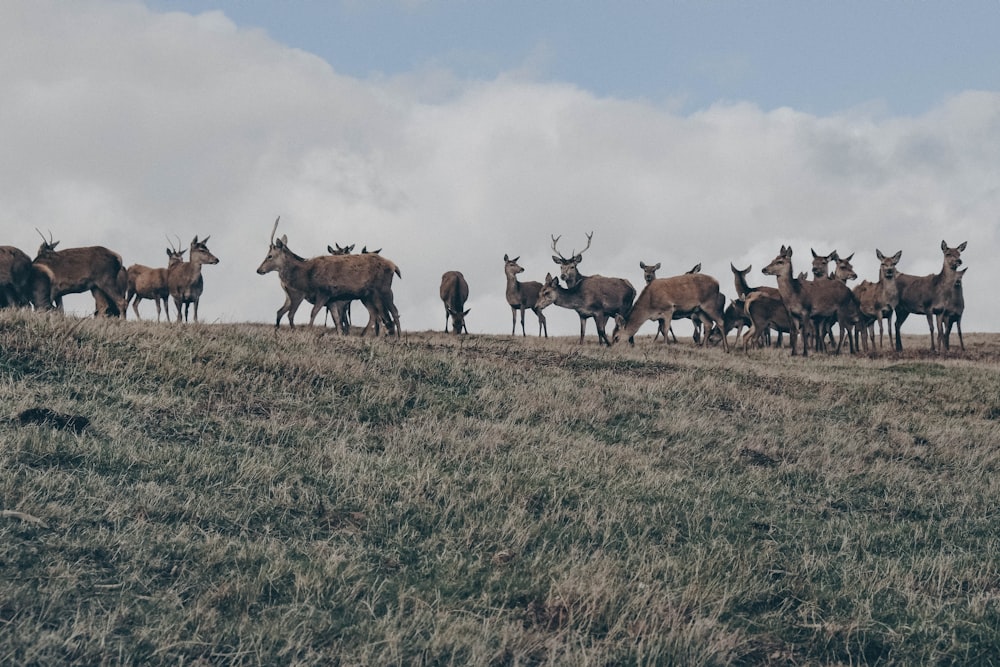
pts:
[120, 126]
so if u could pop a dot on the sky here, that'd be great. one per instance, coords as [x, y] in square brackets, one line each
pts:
[450, 133]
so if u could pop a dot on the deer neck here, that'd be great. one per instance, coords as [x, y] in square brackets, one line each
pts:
[513, 288]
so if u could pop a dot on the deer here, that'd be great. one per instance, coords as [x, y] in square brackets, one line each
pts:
[454, 293]
[952, 314]
[690, 292]
[649, 275]
[145, 282]
[843, 271]
[928, 295]
[878, 300]
[184, 280]
[522, 296]
[590, 296]
[341, 310]
[767, 312]
[321, 280]
[57, 273]
[15, 277]
[744, 290]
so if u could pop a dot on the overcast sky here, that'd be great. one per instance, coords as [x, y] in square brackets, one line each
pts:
[451, 133]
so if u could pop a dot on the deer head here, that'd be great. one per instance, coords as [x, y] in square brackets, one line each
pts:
[569, 274]
[887, 265]
[48, 245]
[340, 250]
[953, 256]
[649, 271]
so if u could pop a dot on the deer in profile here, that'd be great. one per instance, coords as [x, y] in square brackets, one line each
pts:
[522, 296]
[590, 296]
[952, 314]
[328, 278]
[454, 293]
[928, 295]
[662, 297]
[15, 277]
[145, 282]
[57, 273]
[878, 300]
[184, 280]
[766, 312]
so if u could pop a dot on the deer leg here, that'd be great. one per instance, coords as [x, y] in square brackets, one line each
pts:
[135, 307]
[583, 327]
[930, 325]
[541, 322]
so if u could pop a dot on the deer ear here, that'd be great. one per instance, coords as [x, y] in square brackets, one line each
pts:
[330, 249]
[657, 267]
[557, 260]
[642, 265]
[897, 256]
[466, 312]
[944, 246]
[195, 240]
[577, 258]
[878, 253]
[506, 258]
[961, 247]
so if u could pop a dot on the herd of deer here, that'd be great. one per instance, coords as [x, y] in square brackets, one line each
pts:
[44, 281]
[801, 306]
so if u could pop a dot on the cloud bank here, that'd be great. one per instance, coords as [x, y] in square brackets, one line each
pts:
[121, 126]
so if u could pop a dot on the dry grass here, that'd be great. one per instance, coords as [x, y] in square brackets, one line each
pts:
[239, 497]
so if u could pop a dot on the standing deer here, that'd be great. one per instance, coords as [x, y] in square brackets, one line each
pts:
[15, 277]
[744, 290]
[327, 278]
[341, 310]
[454, 293]
[952, 314]
[767, 312]
[690, 292]
[184, 278]
[145, 282]
[590, 296]
[879, 300]
[928, 295]
[522, 296]
[95, 268]
[649, 275]
[810, 302]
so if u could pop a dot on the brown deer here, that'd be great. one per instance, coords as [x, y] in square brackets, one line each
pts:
[952, 314]
[73, 270]
[15, 277]
[522, 296]
[590, 296]
[928, 295]
[661, 298]
[821, 263]
[744, 290]
[454, 293]
[649, 275]
[184, 280]
[145, 282]
[328, 278]
[767, 312]
[878, 300]
[810, 302]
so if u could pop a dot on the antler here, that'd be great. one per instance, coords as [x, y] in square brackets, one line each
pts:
[589, 237]
[274, 229]
[555, 240]
[171, 243]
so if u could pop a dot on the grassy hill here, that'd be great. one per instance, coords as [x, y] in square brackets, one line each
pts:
[222, 494]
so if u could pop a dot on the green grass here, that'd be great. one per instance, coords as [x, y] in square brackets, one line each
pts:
[241, 497]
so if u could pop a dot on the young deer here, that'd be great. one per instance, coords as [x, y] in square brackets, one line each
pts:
[184, 278]
[522, 296]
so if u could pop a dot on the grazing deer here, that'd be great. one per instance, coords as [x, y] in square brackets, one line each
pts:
[927, 295]
[952, 314]
[522, 296]
[95, 268]
[327, 278]
[661, 298]
[454, 293]
[878, 300]
[184, 279]
[15, 277]
[767, 312]
[590, 296]
[145, 282]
